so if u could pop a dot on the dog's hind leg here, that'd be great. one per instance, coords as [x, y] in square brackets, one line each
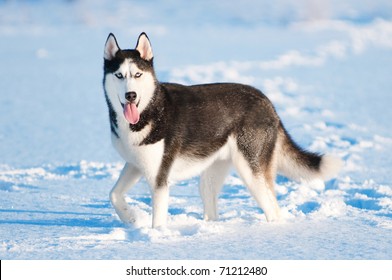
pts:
[128, 177]
[211, 182]
[260, 185]
[262, 190]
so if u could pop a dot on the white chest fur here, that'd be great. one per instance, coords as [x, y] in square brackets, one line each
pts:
[146, 158]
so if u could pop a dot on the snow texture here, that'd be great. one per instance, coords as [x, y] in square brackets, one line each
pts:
[325, 65]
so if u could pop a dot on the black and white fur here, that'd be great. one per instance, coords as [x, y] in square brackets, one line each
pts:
[180, 131]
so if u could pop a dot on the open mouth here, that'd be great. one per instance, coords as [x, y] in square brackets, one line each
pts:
[123, 105]
[131, 112]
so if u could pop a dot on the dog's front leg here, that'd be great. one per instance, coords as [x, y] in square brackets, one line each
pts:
[128, 177]
[160, 207]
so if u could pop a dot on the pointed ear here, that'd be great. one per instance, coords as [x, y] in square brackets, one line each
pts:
[111, 47]
[144, 47]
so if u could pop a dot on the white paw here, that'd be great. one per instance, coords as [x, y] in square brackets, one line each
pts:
[126, 215]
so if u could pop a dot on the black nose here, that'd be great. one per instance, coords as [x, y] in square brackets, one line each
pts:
[131, 96]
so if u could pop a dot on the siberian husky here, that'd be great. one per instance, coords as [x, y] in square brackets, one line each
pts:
[167, 132]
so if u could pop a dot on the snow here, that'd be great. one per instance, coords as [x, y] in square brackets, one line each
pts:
[325, 66]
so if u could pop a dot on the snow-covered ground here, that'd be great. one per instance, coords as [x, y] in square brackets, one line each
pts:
[325, 65]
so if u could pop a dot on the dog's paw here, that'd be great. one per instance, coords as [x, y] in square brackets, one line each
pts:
[127, 216]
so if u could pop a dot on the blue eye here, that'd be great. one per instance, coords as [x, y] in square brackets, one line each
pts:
[119, 76]
[138, 75]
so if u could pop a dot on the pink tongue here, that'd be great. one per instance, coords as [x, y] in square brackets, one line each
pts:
[131, 113]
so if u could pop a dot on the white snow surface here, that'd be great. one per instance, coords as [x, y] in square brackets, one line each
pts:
[326, 65]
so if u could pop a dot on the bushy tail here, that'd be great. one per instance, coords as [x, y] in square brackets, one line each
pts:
[298, 164]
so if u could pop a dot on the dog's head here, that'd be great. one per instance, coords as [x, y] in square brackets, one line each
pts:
[129, 77]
